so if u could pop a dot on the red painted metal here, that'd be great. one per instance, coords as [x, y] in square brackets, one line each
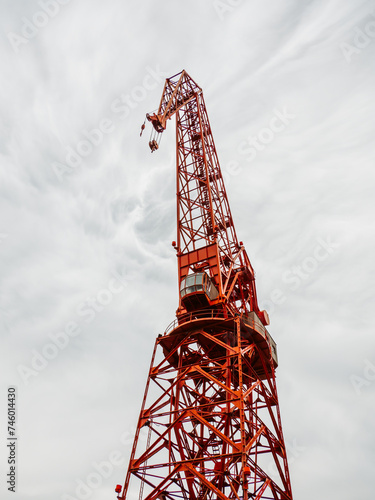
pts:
[210, 407]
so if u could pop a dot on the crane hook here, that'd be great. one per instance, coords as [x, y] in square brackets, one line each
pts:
[153, 145]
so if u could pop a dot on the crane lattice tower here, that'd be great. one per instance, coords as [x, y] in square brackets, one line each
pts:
[210, 409]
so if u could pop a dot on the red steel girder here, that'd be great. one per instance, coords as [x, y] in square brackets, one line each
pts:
[211, 412]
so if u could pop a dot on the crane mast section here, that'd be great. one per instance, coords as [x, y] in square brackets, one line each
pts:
[204, 215]
[206, 236]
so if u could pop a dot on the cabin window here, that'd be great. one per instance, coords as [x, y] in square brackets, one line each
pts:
[198, 282]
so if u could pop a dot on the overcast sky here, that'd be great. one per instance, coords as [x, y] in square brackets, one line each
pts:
[87, 216]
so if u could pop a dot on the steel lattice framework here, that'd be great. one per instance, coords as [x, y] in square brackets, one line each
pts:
[210, 409]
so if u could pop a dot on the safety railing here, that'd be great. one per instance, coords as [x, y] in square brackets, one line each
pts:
[196, 315]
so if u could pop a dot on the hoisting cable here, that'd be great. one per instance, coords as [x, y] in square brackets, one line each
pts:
[154, 137]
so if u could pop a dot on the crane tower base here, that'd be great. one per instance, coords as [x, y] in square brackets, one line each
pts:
[211, 413]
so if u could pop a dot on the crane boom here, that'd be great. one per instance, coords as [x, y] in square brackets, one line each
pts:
[206, 237]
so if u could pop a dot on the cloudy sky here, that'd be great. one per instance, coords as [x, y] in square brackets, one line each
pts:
[87, 216]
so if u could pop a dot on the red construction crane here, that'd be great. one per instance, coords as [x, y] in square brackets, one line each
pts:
[210, 407]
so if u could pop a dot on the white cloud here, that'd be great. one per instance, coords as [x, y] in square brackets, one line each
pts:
[115, 212]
